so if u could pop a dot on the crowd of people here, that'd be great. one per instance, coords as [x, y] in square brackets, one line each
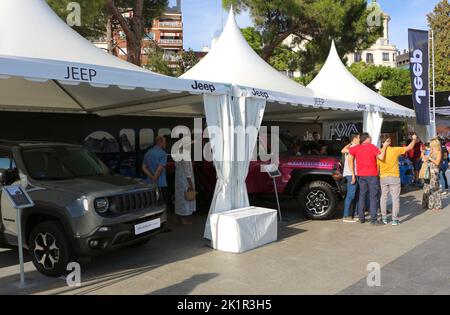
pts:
[373, 173]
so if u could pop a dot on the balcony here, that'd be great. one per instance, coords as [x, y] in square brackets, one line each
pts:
[172, 25]
[171, 42]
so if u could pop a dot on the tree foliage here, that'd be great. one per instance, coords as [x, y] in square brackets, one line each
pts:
[439, 22]
[134, 16]
[395, 81]
[314, 24]
[283, 57]
[93, 16]
[187, 60]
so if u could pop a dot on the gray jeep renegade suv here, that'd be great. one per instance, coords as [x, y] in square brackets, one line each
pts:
[81, 209]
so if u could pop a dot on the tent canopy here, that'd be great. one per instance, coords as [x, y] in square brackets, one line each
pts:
[234, 62]
[57, 70]
[340, 83]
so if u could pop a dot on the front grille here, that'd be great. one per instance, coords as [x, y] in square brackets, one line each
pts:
[131, 202]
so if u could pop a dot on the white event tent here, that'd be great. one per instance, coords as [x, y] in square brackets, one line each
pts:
[335, 78]
[47, 66]
[258, 91]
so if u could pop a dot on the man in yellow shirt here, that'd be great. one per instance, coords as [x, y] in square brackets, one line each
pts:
[390, 179]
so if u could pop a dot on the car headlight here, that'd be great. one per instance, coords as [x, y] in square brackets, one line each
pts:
[101, 205]
[157, 194]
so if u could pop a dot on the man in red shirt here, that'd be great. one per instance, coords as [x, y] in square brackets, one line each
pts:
[366, 156]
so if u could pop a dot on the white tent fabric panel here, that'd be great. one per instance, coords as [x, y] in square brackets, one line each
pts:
[338, 82]
[249, 114]
[232, 61]
[70, 74]
[373, 122]
[30, 28]
[220, 119]
[233, 127]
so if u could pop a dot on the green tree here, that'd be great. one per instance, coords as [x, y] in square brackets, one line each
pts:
[187, 60]
[314, 24]
[394, 81]
[93, 16]
[134, 16]
[157, 61]
[283, 57]
[439, 22]
[399, 83]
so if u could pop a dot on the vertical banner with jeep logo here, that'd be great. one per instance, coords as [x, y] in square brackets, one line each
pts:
[420, 74]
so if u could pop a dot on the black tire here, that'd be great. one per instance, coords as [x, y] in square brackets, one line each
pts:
[318, 200]
[55, 248]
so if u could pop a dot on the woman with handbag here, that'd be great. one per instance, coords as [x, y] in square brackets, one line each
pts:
[185, 194]
[432, 199]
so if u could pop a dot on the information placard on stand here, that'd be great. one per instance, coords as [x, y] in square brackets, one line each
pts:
[273, 171]
[19, 200]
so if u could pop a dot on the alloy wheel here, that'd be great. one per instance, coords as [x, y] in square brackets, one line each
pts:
[317, 202]
[46, 251]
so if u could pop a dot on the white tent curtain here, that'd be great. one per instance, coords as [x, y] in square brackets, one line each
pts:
[220, 120]
[373, 121]
[233, 126]
[249, 113]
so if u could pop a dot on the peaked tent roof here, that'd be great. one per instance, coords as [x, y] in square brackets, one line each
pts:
[58, 70]
[233, 61]
[340, 83]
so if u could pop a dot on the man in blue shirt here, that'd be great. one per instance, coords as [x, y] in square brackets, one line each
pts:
[154, 166]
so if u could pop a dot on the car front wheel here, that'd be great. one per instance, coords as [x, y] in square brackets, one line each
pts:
[318, 200]
[49, 249]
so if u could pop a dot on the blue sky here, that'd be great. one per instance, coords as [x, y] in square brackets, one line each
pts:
[203, 18]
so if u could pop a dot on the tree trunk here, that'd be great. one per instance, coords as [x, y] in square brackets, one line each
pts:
[110, 36]
[134, 51]
[132, 29]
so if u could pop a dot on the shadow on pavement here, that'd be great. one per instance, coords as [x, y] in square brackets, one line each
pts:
[187, 286]
[10, 257]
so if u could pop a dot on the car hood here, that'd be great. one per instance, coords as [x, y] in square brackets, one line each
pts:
[94, 184]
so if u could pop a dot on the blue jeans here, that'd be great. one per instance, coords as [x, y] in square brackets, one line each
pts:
[370, 185]
[350, 198]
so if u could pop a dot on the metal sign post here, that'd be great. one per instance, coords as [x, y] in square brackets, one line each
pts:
[19, 200]
[273, 172]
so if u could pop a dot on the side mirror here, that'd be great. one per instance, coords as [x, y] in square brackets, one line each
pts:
[8, 176]
[2, 176]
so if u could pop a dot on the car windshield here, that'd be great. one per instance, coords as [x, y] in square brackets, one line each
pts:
[59, 163]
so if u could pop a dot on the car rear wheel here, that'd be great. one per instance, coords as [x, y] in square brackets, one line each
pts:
[49, 249]
[318, 200]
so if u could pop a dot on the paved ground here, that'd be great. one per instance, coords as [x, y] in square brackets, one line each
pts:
[309, 258]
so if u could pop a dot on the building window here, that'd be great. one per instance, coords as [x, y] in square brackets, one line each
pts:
[385, 56]
[149, 36]
[369, 58]
[358, 57]
[393, 57]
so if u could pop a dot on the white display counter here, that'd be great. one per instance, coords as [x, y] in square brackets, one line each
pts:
[241, 230]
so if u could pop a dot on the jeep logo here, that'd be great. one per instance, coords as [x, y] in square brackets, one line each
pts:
[80, 74]
[260, 94]
[319, 101]
[203, 86]
[416, 61]
[361, 106]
